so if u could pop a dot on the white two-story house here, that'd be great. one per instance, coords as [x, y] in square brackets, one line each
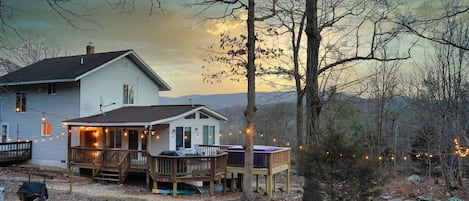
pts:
[97, 101]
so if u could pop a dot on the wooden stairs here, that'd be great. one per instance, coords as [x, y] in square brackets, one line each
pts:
[110, 174]
[112, 167]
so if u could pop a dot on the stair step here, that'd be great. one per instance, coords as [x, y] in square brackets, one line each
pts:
[108, 174]
[106, 179]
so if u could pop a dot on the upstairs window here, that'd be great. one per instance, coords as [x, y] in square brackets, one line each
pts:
[51, 88]
[45, 129]
[20, 102]
[191, 116]
[203, 116]
[128, 94]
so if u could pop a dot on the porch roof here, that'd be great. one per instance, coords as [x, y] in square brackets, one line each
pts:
[142, 115]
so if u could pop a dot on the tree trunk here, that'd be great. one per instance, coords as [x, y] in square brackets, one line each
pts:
[250, 109]
[313, 102]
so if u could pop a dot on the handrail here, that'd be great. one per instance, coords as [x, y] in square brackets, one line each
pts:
[124, 161]
[98, 160]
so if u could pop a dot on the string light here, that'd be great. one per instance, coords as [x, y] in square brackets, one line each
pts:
[460, 150]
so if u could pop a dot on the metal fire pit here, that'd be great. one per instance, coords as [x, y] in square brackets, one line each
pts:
[31, 190]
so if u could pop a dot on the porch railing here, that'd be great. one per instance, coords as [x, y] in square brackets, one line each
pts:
[138, 159]
[15, 151]
[85, 155]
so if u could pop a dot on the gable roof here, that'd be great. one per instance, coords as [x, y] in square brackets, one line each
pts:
[73, 68]
[142, 115]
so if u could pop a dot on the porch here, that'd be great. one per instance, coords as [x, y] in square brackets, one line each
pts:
[108, 164]
[11, 152]
[114, 165]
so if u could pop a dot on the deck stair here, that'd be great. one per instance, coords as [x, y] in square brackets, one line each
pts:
[112, 167]
[111, 175]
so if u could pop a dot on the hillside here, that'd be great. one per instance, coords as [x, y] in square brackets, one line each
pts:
[219, 101]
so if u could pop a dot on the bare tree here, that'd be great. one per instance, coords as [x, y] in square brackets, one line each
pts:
[382, 85]
[32, 50]
[233, 7]
[444, 92]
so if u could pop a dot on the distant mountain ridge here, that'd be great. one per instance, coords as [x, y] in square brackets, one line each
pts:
[219, 101]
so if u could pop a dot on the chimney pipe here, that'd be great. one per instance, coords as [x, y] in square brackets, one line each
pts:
[90, 48]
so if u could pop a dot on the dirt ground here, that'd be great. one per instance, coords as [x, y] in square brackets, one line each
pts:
[400, 188]
[84, 188]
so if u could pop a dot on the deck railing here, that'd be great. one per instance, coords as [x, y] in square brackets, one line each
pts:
[262, 159]
[187, 168]
[85, 155]
[92, 156]
[138, 159]
[15, 151]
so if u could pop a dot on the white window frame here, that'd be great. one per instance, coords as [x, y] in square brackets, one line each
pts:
[6, 134]
[128, 94]
[21, 102]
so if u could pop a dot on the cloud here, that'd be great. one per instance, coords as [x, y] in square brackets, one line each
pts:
[217, 26]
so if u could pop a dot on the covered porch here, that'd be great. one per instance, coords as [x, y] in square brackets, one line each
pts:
[130, 139]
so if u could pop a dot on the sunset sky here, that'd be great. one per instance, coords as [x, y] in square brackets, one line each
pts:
[171, 43]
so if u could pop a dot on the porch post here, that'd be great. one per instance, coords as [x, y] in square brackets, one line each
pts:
[104, 137]
[69, 142]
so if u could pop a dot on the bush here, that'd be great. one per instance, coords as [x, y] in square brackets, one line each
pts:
[337, 170]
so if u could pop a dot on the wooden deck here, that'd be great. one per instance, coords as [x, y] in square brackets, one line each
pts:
[108, 164]
[268, 161]
[175, 169]
[212, 166]
[12, 152]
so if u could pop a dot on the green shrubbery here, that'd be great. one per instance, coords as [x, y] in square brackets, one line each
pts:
[338, 170]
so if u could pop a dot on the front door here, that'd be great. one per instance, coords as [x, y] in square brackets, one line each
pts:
[133, 140]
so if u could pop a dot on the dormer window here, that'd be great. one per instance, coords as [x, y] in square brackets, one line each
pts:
[128, 94]
[51, 89]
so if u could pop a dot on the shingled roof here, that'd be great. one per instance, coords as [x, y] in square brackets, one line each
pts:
[142, 115]
[72, 68]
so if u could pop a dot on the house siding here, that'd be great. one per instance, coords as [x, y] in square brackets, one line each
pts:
[107, 83]
[196, 129]
[27, 125]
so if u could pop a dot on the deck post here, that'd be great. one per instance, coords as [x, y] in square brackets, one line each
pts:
[224, 183]
[175, 189]
[288, 180]
[69, 142]
[212, 188]
[257, 183]
[273, 183]
[269, 185]
[70, 172]
[173, 175]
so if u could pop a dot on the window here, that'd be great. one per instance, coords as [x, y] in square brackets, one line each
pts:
[51, 88]
[203, 116]
[128, 94]
[208, 133]
[187, 137]
[115, 138]
[20, 102]
[4, 131]
[45, 129]
[191, 116]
